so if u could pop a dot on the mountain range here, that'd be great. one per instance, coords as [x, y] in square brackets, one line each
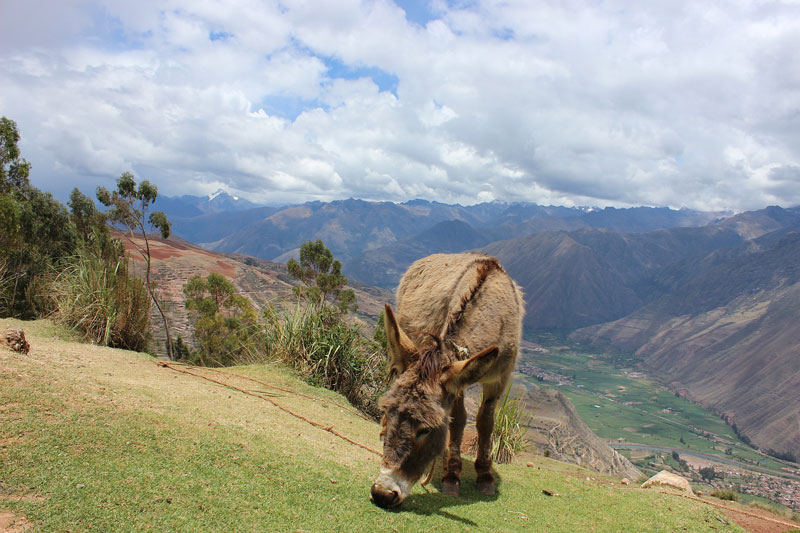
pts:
[188, 206]
[706, 303]
[377, 241]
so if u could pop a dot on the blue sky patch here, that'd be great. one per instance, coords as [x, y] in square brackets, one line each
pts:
[110, 30]
[219, 35]
[384, 80]
[288, 106]
[417, 11]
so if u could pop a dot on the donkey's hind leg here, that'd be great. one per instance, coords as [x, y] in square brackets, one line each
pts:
[452, 457]
[485, 425]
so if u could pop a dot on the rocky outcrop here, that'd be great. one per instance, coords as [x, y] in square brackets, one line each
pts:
[558, 432]
[670, 480]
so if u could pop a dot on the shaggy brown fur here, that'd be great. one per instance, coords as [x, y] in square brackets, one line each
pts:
[470, 301]
[484, 266]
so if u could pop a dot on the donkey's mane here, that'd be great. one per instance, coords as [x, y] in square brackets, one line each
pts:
[482, 267]
[431, 363]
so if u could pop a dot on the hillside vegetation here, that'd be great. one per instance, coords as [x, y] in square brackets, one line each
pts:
[105, 439]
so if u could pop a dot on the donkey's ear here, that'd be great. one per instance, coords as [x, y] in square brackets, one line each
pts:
[464, 373]
[400, 346]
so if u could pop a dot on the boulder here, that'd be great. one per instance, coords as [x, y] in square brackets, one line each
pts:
[668, 479]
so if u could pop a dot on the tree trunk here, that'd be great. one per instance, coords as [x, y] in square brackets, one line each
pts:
[153, 296]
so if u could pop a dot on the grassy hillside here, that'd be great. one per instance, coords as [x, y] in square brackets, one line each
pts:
[103, 439]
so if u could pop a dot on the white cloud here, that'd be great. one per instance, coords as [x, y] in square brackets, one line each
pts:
[613, 103]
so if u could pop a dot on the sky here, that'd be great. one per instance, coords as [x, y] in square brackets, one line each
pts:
[576, 102]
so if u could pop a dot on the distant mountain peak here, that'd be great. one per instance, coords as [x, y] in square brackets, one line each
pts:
[221, 193]
[215, 194]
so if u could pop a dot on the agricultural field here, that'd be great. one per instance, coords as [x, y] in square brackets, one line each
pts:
[626, 407]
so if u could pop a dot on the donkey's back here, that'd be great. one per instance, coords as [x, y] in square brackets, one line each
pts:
[465, 299]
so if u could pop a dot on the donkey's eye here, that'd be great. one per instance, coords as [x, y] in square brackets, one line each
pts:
[422, 433]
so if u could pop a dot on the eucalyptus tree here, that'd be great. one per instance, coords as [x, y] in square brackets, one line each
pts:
[128, 206]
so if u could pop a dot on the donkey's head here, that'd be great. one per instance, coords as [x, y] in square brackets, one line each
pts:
[416, 409]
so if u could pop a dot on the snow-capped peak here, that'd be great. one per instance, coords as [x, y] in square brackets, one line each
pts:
[214, 195]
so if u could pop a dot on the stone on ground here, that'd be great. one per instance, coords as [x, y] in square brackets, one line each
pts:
[668, 479]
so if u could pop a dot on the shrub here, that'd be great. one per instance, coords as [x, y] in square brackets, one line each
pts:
[36, 234]
[509, 436]
[728, 495]
[99, 298]
[327, 350]
[226, 329]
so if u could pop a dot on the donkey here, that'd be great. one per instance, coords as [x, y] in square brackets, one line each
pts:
[448, 307]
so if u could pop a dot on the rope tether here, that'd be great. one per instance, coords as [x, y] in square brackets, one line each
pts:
[329, 429]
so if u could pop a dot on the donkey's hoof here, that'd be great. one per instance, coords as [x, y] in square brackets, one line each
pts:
[486, 484]
[487, 488]
[450, 487]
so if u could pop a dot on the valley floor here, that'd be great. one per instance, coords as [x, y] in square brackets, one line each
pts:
[633, 412]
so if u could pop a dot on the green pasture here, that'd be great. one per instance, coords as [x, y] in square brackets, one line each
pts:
[618, 405]
[99, 439]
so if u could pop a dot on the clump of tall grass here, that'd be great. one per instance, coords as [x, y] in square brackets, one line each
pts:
[727, 495]
[97, 297]
[5, 283]
[775, 508]
[509, 436]
[329, 351]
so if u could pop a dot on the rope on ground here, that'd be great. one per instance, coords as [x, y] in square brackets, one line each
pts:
[329, 429]
[731, 509]
[289, 391]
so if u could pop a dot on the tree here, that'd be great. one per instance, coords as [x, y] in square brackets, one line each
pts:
[708, 473]
[128, 206]
[35, 231]
[225, 323]
[83, 213]
[35, 234]
[322, 275]
[14, 170]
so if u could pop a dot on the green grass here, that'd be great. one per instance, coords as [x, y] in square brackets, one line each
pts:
[102, 439]
[655, 415]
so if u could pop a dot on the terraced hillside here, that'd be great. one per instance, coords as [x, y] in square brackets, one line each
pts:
[174, 261]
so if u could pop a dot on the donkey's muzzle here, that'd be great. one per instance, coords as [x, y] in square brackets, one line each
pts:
[385, 498]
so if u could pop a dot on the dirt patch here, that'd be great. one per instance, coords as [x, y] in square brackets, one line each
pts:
[8, 442]
[27, 498]
[9, 406]
[757, 524]
[226, 268]
[11, 523]
[699, 462]
[753, 520]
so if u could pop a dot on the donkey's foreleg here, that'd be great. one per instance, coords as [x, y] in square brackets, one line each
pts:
[452, 456]
[485, 425]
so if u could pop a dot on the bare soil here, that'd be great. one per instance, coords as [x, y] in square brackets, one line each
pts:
[11, 523]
